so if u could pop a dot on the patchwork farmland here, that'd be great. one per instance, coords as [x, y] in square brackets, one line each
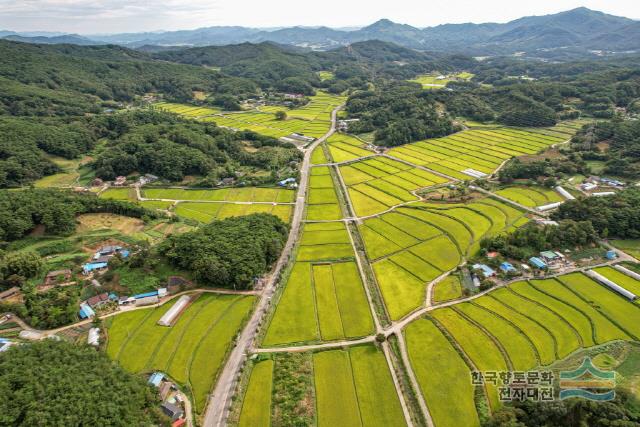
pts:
[531, 196]
[351, 387]
[314, 119]
[191, 351]
[378, 184]
[324, 298]
[510, 328]
[475, 153]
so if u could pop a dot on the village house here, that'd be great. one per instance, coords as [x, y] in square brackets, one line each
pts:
[57, 276]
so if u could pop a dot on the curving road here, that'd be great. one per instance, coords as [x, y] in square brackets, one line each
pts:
[219, 401]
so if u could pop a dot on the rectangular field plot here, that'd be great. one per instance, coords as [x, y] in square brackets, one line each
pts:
[207, 212]
[351, 387]
[438, 367]
[243, 194]
[322, 200]
[474, 153]
[530, 196]
[345, 148]
[447, 289]
[618, 277]
[313, 119]
[191, 351]
[377, 184]
[321, 301]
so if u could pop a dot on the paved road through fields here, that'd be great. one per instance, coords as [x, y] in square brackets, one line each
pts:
[218, 406]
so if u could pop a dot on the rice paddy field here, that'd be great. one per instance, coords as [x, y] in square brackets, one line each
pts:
[345, 148]
[618, 277]
[189, 111]
[324, 298]
[510, 328]
[447, 289]
[241, 194]
[322, 200]
[351, 387]
[413, 245]
[191, 351]
[531, 196]
[207, 212]
[377, 184]
[476, 152]
[313, 119]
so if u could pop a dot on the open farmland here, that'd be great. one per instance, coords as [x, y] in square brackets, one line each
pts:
[313, 119]
[324, 298]
[375, 185]
[350, 387]
[618, 277]
[207, 212]
[322, 200]
[413, 245]
[189, 111]
[191, 352]
[530, 196]
[344, 148]
[240, 194]
[474, 153]
[524, 325]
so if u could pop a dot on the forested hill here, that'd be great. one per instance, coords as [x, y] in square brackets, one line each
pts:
[70, 80]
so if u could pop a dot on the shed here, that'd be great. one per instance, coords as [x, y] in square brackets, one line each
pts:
[94, 337]
[179, 422]
[156, 378]
[548, 255]
[86, 312]
[92, 266]
[172, 410]
[612, 254]
[147, 300]
[537, 263]
[146, 295]
[170, 316]
[52, 276]
[549, 206]
[486, 270]
[507, 267]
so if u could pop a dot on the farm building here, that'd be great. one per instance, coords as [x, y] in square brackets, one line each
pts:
[588, 186]
[100, 300]
[474, 173]
[549, 206]
[286, 182]
[537, 263]
[486, 270]
[156, 378]
[93, 266]
[179, 423]
[549, 255]
[172, 410]
[86, 312]
[164, 389]
[172, 314]
[626, 271]
[53, 277]
[547, 222]
[152, 299]
[612, 285]
[94, 337]
[611, 255]
[604, 194]
[564, 193]
[507, 267]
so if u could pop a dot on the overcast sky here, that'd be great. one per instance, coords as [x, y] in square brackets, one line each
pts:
[111, 16]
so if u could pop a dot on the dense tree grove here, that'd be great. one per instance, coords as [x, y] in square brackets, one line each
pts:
[544, 170]
[58, 80]
[399, 114]
[622, 152]
[231, 252]
[56, 210]
[25, 141]
[39, 391]
[170, 147]
[620, 412]
[612, 216]
[529, 240]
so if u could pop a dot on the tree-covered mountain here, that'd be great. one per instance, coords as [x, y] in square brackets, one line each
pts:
[581, 29]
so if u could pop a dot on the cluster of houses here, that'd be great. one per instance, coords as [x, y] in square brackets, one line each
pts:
[172, 404]
[89, 307]
[101, 257]
[593, 182]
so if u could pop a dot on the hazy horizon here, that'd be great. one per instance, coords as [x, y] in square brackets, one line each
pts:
[134, 16]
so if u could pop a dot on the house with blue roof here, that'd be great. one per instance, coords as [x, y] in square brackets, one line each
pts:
[486, 270]
[537, 263]
[507, 267]
[86, 312]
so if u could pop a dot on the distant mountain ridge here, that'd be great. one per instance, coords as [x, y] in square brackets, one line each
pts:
[580, 28]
